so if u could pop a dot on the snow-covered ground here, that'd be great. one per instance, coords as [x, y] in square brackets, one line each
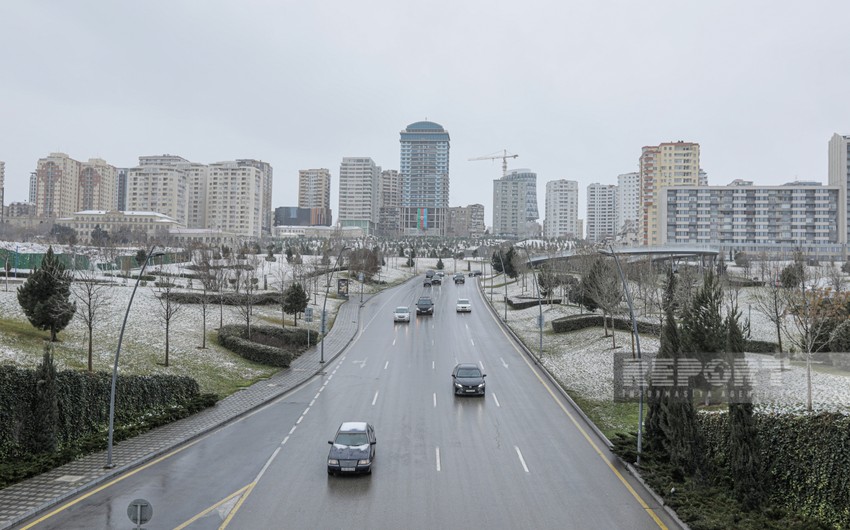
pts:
[584, 360]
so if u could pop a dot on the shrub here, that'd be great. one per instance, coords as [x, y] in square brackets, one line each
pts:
[269, 345]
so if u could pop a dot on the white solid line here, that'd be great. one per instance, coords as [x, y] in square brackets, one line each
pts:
[374, 399]
[386, 364]
[496, 400]
[435, 399]
[521, 459]
[438, 458]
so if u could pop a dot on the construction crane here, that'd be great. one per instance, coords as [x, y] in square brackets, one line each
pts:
[504, 156]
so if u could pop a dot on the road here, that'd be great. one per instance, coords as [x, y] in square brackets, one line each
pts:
[520, 457]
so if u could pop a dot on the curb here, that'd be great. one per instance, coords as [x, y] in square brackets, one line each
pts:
[636, 474]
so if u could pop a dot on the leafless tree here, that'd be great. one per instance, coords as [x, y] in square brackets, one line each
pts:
[93, 298]
[770, 300]
[247, 277]
[606, 289]
[201, 258]
[169, 308]
[834, 277]
[280, 286]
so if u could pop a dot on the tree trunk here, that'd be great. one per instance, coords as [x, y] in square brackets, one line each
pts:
[166, 343]
[90, 347]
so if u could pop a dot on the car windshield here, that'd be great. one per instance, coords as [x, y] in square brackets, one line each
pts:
[351, 438]
[401, 310]
[462, 301]
[468, 372]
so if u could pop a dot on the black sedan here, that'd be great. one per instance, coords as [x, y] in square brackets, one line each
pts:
[467, 380]
[353, 449]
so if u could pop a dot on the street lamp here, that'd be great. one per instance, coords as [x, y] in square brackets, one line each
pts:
[539, 302]
[325, 303]
[109, 464]
[637, 345]
[505, 273]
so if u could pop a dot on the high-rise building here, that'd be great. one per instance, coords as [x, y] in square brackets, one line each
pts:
[159, 184]
[839, 175]
[466, 221]
[667, 164]
[314, 194]
[98, 187]
[267, 176]
[515, 204]
[628, 200]
[561, 209]
[601, 212]
[33, 187]
[359, 179]
[57, 186]
[424, 169]
[2, 190]
[389, 201]
[197, 182]
[236, 197]
[122, 188]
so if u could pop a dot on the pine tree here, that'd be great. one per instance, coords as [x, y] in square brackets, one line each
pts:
[45, 413]
[703, 328]
[45, 297]
[744, 455]
[656, 416]
[295, 300]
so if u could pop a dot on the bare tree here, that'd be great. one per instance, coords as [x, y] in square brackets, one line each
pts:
[280, 281]
[834, 277]
[93, 298]
[605, 288]
[770, 300]
[201, 258]
[169, 308]
[247, 277]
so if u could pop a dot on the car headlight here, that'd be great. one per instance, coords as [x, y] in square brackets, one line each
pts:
[363, 462]
[333, 462]
[481, 385]
[458, 385]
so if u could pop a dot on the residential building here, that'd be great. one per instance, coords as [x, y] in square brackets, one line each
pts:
[466, 221]
[515, 204]
[601, 212]
[122, 188]
[389, 203]
[424, 169]
[839, 175]
[197, 183]
[778, 220]
[20, 209]
[2, 190]
[57, 186]
[296, 216]
[561, 209]
[33, 193]
[314, 194]
[628, 202]
[663, 165]
[236, 197]
[267, 176]
[98, 186]
[358, 193]
[160, 184]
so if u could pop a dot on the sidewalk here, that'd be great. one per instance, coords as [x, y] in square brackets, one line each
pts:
[23, 500]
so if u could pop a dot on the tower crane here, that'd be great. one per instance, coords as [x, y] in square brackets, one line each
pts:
[504, 156]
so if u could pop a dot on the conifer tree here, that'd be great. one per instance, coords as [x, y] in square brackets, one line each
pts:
[655, 415]
[703, 328]
[45, 406]
[45, 297]
[744, 455]
[295, 300]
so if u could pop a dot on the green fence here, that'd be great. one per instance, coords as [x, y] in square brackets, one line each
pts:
[21, 261]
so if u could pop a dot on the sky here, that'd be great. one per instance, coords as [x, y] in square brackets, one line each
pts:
[574, 88]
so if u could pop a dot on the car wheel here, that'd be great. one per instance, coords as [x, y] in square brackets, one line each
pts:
[330, 473]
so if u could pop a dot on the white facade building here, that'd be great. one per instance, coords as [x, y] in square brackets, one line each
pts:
[561, 209]
[236, 198]
[359, 182]
[628, 199]
[159, 184]
[601, 212]
[839, 175]
[515, 204]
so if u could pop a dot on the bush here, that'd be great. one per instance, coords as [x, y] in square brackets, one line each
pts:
[840, 360]
[525, 303]
[577, 322]
[230, 299]
[269, 345]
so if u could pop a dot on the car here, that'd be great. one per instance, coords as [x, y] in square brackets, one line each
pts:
[429, 273]
[459, 278]
[352, 449]
[475, 273]
[436, 280]
[427, 282]
[424, 306]
[401, 314]
[441, 274]
[463, 305]
[467, 380]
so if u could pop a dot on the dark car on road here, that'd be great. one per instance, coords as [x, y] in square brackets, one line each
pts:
[460, 278]
[468, 380]
[436, 280]
[475, 273]
[424, 306]
[353, 449]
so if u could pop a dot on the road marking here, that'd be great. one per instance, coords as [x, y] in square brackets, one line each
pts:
[466, 326]
[472, 341]
[284, 441]
[211, 508]
[374, 399]
[330, 377]
[432, 365]
[481, 364]
[317, 395]
[306, 411]
[583, 432]
[313, 401]
[496, 400]
[435, 399]
[521, 459]
[393, 342]
[503, 362]
[438, 458]
[361, 363]
[386, 364]
[292, 430]
[299, 420]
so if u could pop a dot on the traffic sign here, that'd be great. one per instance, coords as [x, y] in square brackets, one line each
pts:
[140, 512]
[308, 314]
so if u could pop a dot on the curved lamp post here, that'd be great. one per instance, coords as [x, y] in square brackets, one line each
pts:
[109, 464]
[539, 302]
[325, 304]
[637, 345]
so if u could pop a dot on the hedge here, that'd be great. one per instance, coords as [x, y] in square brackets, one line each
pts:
[83, 400]
[805, 458]
[525, 303]
[236, 299]
[269, 345]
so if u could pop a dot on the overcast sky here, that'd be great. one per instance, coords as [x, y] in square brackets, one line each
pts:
[574, 88]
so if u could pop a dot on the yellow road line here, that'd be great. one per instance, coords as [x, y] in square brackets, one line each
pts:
[238, 505]
[587, 437]
[211, 508]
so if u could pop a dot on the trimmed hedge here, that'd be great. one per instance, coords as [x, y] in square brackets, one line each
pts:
[269, 345]
[806, 460]
[83, 400]
[840, 360]
[226, 298]
[525, 303]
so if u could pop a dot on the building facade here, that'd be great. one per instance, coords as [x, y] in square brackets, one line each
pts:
[424, 170]
[152, 224]
[515, 204]
[778, 220]
[2, 190]
[160, 184]
[839, 175]
[359, 179]
[466, 221]
[314, 194]
[57, 186]
[667, 164]
[98, 186]
[601, 212]
[236, 198]
[561, 219]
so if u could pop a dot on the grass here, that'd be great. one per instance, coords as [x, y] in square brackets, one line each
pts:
[823, 368]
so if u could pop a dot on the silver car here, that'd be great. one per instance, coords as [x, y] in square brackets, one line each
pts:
[463, 305]
[401, 314]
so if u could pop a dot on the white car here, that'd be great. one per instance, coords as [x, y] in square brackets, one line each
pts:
[463, 305]
[401, 314]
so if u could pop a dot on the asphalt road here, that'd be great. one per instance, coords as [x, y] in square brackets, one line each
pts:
[518, 458]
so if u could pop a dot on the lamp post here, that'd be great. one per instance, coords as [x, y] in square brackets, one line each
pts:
[637, 345]
[109, 464]
[539, 302]
[325, 304]
[505, 273]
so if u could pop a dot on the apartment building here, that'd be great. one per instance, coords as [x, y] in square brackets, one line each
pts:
[2, 190]
[515, 204]
[839, 175]
[98, 189]
[601, 212]
[160, 184]
[267, 177]
[424, 169]
[778, 220]
[667, 164]
[236, 197]
[358, 193]
[57, 185]
[314, 194]
[561, 209]
[466, 221]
